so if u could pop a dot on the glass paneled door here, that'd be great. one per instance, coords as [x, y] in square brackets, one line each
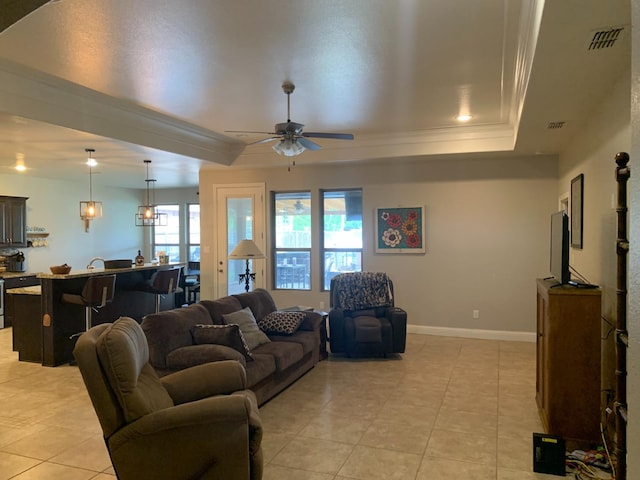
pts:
[241, 211]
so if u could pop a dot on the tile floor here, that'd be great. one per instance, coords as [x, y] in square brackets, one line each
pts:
[450, 408]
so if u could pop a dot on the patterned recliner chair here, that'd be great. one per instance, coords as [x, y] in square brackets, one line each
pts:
[363, 319]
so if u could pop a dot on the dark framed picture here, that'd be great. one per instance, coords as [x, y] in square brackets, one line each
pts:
[577, 198]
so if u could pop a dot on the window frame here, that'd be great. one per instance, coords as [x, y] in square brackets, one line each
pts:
[324, 250]
[155, 245]
[275, 250]
[188, 233]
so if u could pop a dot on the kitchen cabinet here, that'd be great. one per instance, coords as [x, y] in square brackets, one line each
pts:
[13, 221]
[12, 280]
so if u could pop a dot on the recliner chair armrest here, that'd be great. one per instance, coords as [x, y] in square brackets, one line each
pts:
[398, 319]
[187, 441]
[206, 380]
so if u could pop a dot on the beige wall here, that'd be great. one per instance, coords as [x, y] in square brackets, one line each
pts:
[592, 153]
[487, 236]
[54, 205]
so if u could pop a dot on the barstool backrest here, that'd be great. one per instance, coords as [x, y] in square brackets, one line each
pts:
[99, 290]
[166, 281]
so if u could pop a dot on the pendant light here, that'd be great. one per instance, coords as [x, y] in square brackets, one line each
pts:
[90, 209]
[148, 215]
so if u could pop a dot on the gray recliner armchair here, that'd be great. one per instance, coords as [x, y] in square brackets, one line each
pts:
[363, 319]
[199, 423]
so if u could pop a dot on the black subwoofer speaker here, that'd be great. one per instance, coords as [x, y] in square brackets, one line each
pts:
[548, 454]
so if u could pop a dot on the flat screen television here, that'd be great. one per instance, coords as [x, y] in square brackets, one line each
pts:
[559, 252]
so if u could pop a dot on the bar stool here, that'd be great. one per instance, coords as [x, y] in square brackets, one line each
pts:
[192, 282]
[96, 293]
[163, 282]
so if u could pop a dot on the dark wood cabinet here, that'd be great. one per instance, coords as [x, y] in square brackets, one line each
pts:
[14, 281]
[568, 360]
[13, 221]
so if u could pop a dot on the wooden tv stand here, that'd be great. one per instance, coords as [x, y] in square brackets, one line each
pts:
[568, 360]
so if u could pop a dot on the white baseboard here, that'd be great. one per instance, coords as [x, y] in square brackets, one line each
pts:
[473, 333]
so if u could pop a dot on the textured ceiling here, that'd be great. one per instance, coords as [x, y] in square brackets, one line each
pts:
[167, 80]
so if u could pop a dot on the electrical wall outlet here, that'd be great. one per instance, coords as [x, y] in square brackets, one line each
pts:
[476, 314]
[321, 305]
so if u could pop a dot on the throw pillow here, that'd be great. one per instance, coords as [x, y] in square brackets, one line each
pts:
[248, 326]
[227, 335]
[284, 323]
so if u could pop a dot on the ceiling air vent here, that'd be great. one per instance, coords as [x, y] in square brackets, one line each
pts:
[555, 125]
[604, 38]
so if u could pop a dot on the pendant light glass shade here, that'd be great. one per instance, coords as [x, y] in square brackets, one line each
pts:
[90, 209]
[148, 215]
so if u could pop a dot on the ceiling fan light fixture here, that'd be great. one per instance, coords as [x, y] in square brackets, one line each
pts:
[289, 147]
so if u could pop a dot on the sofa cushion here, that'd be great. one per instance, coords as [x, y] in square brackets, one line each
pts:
[124, 356]
[308, 340]
[185, 357]
[259, 301]
[248, 326]
[171, 329]
[217, 308]
[285, 323]
[227, 335]
[284, 353]
[260, 369]
[367, 329]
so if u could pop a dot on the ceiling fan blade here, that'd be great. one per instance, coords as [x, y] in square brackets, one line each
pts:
[249, 131]
[308, 144]
[337, 136]
[264, 140]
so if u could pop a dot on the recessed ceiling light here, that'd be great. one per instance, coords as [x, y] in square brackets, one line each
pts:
[464, 118]
[20, 167]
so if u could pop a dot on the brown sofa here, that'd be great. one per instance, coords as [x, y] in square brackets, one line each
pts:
[270, 367]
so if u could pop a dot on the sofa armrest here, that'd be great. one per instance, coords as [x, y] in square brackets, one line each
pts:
[398, 319]
[205, 380]
[210, 436]
[312, 322]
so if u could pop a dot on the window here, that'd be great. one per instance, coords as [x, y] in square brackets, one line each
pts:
[193, 232]
[292, 240]
[341, 233]
[167, 238]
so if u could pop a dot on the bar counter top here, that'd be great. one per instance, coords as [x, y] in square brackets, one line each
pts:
[79, 273]
[18, 274]
[60, 320]
[33, 290]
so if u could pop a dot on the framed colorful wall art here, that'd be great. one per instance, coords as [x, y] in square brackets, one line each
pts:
[400, 230]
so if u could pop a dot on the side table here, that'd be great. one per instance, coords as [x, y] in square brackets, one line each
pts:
[323, 334]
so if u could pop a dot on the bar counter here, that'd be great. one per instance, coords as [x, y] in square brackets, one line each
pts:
[62, 320]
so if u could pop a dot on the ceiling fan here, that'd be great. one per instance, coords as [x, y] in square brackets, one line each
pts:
[293, 140]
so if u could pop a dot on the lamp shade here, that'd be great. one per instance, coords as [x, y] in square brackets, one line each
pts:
[90, 210]
[246, 249]
[289, 147]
